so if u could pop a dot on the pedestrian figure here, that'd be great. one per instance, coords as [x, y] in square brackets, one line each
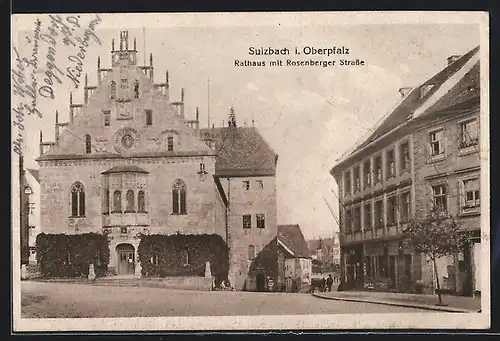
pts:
[329, 282]
[323, 285]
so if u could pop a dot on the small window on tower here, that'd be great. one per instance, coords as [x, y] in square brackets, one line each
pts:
[136, 89]
[149, 117]
[107, 118]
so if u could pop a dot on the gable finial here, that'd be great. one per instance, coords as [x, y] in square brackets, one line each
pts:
[150, 59]
[113, 44]
[197, 114]
[182, 95]
[70, 98]
[166, 78]
[86, 80]
[41, 136]
[57, 116]
[98, 62]
[135, 44]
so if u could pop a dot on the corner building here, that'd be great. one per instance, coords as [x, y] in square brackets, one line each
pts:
[424, 153]
[129, 162]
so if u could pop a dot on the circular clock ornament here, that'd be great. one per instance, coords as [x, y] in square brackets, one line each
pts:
[126, 139]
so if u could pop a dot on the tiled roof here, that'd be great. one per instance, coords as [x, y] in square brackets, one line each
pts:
[414, 100]
[241, 152]
[125, 169]
[34, 173]
[292, 237]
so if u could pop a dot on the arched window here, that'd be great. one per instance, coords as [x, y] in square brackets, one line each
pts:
[77, 200]
[117, 201]
[251, 252]
[113, 90]
[88, 144]
[179, 197]
[141, 202]
[130, 206]
[136, 89]
[106, 201]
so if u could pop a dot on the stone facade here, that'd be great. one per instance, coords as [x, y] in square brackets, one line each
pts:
[129, 162]
[389, 177]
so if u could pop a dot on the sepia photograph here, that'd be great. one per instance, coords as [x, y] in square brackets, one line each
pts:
[237, 171]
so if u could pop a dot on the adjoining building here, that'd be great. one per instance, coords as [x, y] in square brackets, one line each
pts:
[130, 162]
[425, 152]
[32, 191]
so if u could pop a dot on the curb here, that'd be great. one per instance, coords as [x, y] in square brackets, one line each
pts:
[397, 304]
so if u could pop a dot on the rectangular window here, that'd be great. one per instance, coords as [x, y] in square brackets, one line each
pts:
[391, 169]
[368, 216]
[379, 222]
[261, 221]
[347, 183]
[405, 207]
[170, 144]
[469, 134]
[357, 219]
[260, 184]
[149, 117]
[357, 179]
[405, 156]
[378, 170]
[391, 210]
[470, 190]
[440, 197]
[247, 221]
[107, 118]
[246, 185]
[348, 221]
[367, 174]
[436, 142]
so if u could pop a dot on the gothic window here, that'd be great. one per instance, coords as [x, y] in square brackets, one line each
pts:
[113, 90]
[77, 200]
[141, 202]
[170, 144]
[88, 144]
[136, 89]
[117, 202]
[106, 201]
[129, 198]
[261, 221]
[179, 197]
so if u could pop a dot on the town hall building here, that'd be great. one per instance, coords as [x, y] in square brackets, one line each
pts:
[129, 162]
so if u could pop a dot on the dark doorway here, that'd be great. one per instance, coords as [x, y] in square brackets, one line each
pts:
[126, 259]
[261, 282]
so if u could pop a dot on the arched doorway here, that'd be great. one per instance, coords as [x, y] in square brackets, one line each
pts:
[125, 260]
[260, 282]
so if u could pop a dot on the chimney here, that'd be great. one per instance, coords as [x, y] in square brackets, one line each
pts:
[404, 91]
[453, 58]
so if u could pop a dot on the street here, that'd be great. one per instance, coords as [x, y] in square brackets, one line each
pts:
[67, 300]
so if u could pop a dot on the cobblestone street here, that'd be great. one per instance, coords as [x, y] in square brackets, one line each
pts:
[66, 300]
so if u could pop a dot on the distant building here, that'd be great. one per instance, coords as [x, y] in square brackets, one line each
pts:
[32, 190]
[130, 162]
[325, 250]
[424, 153]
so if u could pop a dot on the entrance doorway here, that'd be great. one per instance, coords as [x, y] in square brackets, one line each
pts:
[260, 282]
[126, 259]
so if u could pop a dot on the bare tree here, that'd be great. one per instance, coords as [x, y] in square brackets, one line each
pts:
[436, 234]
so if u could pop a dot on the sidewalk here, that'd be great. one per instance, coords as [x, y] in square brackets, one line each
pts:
[452, 303]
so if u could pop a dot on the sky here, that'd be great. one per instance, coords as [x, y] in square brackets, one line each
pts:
[310, 116]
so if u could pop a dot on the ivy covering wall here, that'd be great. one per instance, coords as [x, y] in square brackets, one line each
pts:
[61, 255]
[183, 255]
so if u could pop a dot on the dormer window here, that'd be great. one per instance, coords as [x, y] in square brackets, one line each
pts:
[424, 90]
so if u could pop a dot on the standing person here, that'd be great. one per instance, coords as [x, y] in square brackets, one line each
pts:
[323, 285]
[329, 282]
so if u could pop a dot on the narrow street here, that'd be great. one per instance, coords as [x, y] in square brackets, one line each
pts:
[66, 300]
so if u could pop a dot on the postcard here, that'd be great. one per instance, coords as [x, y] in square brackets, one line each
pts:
[250, 171]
